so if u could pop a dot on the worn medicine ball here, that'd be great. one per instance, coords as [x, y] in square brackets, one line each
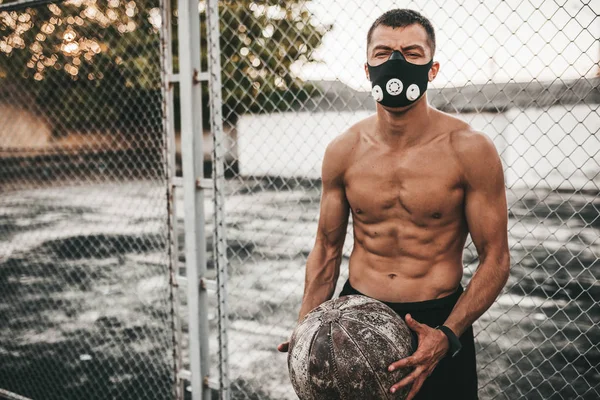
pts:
[342, 349]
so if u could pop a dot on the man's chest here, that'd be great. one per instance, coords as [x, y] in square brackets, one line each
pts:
[421, 186]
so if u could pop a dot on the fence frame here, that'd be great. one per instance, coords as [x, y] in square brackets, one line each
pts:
[218, 174]
[168, 80]
[194, 184]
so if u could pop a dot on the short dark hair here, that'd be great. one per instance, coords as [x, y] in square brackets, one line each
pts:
[401, 17]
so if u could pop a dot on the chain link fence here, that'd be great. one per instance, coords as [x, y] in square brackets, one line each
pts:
[89, 305]
[523, 72]
[86, 308]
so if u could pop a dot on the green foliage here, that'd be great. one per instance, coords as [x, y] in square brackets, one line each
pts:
[96, 65]
[85, 62]
[260, 40]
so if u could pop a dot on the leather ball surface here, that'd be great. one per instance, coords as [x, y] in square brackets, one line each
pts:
[342, 349]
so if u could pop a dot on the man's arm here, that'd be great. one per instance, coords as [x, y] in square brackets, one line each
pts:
[487, 219]
[323, 263]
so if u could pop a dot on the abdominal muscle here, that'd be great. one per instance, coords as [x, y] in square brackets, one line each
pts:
[406, 276]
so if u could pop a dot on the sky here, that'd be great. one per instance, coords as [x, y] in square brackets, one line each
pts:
[477, 41]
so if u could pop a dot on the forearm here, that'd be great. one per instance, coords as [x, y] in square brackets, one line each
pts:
[484, 288]
[322, 272]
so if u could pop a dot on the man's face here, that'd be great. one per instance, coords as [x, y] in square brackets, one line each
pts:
[410, 40]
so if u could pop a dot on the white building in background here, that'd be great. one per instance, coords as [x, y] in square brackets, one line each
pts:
[23, 127]
[548, 134]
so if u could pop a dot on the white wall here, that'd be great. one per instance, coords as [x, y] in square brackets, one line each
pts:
[20, 128]
[558, 147]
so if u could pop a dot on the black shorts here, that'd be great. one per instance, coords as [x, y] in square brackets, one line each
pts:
[452, 378]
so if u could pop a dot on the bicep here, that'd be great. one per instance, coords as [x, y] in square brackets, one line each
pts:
[485, 203]
[324, 260]
[334, 207]
[333, 215]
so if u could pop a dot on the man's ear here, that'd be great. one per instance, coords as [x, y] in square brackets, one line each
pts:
[367, 71]
[435, 67]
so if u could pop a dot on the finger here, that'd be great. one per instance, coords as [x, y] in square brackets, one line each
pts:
[409, 361]
[283, 347]
[412, 323]
[413, 376]
[415, 389]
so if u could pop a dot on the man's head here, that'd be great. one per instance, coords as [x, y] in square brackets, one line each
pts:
[409, 36]
[421, 28]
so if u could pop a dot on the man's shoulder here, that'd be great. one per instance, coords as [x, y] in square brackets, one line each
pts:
[470, 144]
[464, 140]
[475, 152]
[340, 151]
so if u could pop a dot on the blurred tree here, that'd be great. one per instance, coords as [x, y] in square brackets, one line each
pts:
[260, 40]
[90, 66]
[96, 65]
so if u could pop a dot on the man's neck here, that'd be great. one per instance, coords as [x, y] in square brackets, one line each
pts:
[404, 129]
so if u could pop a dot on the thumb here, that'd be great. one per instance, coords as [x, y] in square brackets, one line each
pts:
[410, 321]
[283, 347]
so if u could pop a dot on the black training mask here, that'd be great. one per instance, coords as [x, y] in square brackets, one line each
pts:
[398, 83]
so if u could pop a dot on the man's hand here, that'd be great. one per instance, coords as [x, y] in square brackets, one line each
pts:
[283, 347]
[433, 346]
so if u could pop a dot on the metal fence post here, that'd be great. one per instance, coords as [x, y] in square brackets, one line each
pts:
[220, 242]
[193, 185]
[168, 82]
